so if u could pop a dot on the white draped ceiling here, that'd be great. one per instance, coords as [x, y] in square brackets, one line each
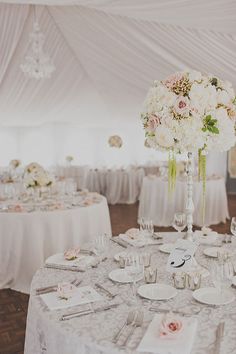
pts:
[107, 53]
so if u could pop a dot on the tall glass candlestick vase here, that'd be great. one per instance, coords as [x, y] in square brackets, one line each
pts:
[189, 207]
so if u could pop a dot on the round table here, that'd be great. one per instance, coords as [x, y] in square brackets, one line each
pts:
[157, 206]
[27, 239]
[93, 333]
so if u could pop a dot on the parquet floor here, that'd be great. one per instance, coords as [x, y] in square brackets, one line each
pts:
[13, 305]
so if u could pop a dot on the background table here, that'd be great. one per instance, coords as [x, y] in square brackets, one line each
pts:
[27, 239]
[120, 185]
[156, 205]
[93, 334]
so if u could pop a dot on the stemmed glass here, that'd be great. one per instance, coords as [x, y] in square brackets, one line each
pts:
[146, 227]
[179, 222]
[101, 245]
[233, 226]
[222, 273]
[135, 269]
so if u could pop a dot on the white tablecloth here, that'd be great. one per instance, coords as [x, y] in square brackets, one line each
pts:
[78, 173]
[28, 239]
[92, 334]
[117, 185]
[156, 205]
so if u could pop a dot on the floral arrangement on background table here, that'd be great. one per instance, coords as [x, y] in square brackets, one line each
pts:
[115, 141]
[15, 163]
[69, 159]
[190, 112]
[35, 176]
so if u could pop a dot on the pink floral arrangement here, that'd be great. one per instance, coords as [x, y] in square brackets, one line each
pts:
[170, 326]
[72, 254]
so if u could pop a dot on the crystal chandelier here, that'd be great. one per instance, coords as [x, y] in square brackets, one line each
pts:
[37, 65]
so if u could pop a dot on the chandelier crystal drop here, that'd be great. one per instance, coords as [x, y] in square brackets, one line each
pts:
[37, 65]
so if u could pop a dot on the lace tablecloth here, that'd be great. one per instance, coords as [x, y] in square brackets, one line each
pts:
[92, 334]
[27, 239]
[155, 205]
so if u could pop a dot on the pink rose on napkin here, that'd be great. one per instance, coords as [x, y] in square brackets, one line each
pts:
[65, 290]
[170, 326]
[72, 254]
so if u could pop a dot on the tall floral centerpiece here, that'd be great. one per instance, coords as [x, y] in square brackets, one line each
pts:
[190, 112]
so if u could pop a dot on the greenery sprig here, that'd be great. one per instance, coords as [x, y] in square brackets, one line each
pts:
[209, 124]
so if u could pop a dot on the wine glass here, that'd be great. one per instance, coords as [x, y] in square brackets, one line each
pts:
[135, 270]
[222, 273]
[101, 245]
[233, 226]
[179, 222]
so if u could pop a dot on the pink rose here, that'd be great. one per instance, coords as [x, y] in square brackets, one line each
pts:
[65, 290]
[171, 80]
[72, 254]
[153, 122]
[182, 105]
[170, 326]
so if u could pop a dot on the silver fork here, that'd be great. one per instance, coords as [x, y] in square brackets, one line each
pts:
[136, 323]
[129, 320]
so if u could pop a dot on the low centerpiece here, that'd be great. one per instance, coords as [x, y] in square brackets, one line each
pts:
[190, 112]
[36, 177]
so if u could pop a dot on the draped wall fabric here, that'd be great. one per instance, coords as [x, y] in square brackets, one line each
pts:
[107, 53]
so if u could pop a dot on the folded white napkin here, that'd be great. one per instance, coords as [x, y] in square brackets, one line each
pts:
[181, 344]
[139, 241]
[82, 261]
[82, 295]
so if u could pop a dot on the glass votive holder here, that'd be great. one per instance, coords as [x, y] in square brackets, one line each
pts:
[146, 259]
[193, 280]
[150, 275]
[179, 280]
[223, 255]
[122, 261]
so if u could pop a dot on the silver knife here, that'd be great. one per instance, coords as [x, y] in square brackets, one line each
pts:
[86, 312]
[219, 336]
[64, 267]
[105, 290]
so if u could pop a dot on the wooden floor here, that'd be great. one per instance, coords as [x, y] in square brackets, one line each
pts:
[13, 305]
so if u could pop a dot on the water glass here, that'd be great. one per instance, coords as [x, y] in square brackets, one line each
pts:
[135, 270]
[222, 274]
[179, 222]
[101, 245]
[233, 226]
[146, 259]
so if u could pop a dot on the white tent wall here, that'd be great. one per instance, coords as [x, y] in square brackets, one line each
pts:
[106, 53]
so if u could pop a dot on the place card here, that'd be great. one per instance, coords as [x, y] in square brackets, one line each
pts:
[181, 257]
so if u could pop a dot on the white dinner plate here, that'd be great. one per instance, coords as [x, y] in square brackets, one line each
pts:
[213, 296]
[206, 240]
[212, 251]
[157, 291]
[121, 276]
[167, 247]
[120, 254]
